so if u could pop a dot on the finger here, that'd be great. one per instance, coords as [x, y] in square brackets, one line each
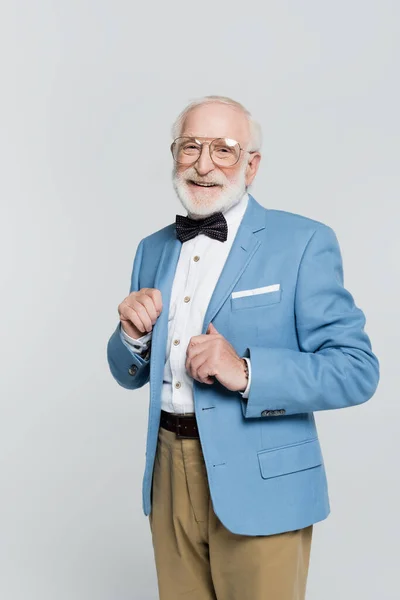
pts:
[155, 295]
[192, 360]
[149, 305]
[190, 355]
[134, 319]
[200, 368]
[198, 344]
[198, 341]
[137, 314]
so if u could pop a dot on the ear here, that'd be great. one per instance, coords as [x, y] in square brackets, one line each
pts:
[252, 167]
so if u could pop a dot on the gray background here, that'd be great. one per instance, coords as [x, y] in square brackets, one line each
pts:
[88, 93]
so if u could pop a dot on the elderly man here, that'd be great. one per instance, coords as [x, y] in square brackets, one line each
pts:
[238, 317]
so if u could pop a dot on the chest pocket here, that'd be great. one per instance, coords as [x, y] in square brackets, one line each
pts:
[254, 298]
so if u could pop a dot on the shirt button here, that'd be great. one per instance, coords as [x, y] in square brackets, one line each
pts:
[196, 258]
[132, 370]
[176, 342]
[178, 384]
[186, 299]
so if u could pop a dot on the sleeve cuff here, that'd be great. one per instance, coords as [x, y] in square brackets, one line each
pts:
[139, 344]
[245, 394]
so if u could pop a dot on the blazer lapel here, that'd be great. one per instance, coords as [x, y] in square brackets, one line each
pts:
[163, 282]
[244, 246]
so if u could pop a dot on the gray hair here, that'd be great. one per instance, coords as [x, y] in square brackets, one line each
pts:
[254, 126]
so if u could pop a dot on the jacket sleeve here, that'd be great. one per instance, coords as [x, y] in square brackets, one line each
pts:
[129, 369]
[335, 366]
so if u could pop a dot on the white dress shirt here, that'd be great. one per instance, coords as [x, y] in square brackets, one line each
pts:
[200, 263]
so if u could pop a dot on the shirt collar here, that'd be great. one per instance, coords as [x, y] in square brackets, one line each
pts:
[236, 211]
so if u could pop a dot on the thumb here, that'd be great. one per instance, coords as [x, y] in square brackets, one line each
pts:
[212, 329]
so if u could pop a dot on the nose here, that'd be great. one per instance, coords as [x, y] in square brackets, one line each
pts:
[204, 164]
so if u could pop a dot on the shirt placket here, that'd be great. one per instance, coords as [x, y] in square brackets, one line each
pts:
[182, 328]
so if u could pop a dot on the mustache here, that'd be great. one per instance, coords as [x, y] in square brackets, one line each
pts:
[192, 176]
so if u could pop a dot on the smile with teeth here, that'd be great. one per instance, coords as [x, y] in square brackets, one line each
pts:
[204, 184]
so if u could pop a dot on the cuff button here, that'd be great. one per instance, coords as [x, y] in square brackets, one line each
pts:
[132, 370]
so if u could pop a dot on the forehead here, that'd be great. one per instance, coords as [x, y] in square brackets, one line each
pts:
[216, 120]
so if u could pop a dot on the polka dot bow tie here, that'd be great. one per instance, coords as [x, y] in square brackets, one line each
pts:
[215, 226]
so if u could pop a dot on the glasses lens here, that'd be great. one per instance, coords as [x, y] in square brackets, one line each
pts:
[225, 152]
[185, 150]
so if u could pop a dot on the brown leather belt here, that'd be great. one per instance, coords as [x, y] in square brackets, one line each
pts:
[185, 426]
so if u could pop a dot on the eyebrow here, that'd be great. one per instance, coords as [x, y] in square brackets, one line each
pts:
[199, 137]
[203, 137]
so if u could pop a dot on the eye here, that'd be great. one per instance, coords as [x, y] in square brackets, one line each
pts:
[223, 151]
[190, 148]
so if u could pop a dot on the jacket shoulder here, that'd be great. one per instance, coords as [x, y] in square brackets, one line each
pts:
[160, 236]
[294, 232]
[291, 222]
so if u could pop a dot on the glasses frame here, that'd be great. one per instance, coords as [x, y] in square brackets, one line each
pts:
[209, 150]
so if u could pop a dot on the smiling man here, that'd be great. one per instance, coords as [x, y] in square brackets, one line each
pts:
[215, 178]
[238, 317]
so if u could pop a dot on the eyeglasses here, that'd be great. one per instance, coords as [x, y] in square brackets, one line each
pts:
[224, 152]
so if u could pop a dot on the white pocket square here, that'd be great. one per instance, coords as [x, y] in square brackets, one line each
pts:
[261, 290]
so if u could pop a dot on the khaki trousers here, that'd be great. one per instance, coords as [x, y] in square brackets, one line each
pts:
[196, 557]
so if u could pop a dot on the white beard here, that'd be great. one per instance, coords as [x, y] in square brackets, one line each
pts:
[199, 208]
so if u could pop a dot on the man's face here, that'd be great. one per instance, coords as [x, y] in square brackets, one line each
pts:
[208, 122]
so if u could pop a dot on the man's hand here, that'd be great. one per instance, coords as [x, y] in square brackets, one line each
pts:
[139, 311]
[209, 355]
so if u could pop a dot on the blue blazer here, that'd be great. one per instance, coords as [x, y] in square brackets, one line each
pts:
[308, 352]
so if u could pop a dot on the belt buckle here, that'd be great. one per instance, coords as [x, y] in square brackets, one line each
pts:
[179, 434]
